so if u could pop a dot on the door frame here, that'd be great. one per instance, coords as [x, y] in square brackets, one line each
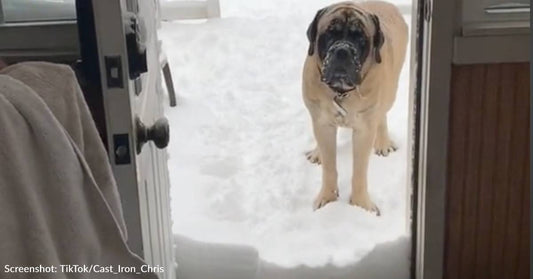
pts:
[430, 101]
[430, 98]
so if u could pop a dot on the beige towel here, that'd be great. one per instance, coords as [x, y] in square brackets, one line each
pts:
[52, 212]
[57, 85]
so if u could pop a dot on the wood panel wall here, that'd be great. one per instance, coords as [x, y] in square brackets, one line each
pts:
[487, 212]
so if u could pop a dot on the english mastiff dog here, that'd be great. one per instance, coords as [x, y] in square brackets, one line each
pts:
[350, 77]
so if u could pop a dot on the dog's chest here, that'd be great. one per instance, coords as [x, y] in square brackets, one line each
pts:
[348, 114]
[342, 121]
[342, 115]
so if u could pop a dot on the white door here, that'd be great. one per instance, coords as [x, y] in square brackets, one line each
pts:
[137, 132]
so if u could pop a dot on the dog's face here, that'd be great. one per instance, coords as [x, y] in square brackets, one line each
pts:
[343, 38]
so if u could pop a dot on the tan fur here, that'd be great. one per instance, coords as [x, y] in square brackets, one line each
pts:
[366, 109]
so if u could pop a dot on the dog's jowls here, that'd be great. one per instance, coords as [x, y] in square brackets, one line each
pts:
[350, 77]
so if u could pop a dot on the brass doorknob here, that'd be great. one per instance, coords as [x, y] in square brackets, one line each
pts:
[159, 133]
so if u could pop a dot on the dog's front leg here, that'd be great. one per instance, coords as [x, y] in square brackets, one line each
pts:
[362, 141]
[326, 138]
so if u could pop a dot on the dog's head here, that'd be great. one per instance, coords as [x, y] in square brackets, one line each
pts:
[344, 38]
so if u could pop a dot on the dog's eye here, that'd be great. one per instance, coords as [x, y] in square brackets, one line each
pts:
[335, 21]
[356, 34]
[335, 28]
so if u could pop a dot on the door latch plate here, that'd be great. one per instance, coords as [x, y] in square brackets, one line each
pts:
[113, 69]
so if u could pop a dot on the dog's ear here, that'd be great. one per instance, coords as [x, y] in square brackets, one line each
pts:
[312, 31]
[378, 38]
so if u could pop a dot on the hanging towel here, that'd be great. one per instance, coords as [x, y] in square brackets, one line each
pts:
[52, 212]
[58, 87]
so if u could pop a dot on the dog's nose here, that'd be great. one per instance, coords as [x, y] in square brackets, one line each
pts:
[342, 53]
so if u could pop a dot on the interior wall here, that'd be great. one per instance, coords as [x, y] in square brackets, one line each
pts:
[487, 211]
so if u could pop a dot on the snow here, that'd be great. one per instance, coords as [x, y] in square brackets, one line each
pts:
[242, 190]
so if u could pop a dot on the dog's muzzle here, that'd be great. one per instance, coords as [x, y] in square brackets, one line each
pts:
[341, 67]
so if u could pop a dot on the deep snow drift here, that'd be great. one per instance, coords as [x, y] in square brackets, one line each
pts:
[238, 171]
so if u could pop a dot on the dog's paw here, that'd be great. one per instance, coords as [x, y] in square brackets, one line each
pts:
[384, 148]
[325, 197]
[313, 156]
[366, 203]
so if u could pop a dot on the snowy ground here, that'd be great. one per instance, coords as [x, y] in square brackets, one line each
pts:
[238, 173]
